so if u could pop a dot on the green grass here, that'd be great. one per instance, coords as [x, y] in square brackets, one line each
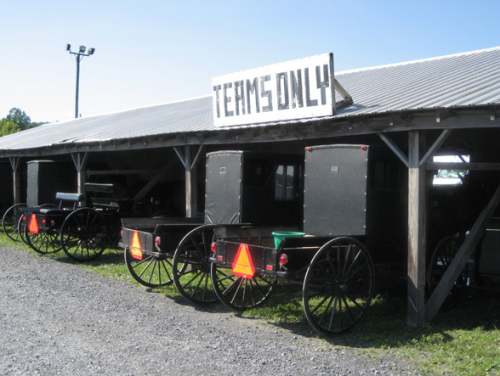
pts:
[462, 341]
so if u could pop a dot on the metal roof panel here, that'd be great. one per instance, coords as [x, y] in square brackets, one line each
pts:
[466, 79]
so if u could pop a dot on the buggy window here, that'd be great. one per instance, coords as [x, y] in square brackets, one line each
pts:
[286, 182]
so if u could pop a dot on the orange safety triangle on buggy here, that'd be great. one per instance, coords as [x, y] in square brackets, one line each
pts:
[33, 227]
[136, 248]
[243, 265]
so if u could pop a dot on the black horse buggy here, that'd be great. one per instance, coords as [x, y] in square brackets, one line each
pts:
[270, 218]
[82, 232]
[352, 203]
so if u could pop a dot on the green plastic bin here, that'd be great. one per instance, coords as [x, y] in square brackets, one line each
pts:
[280, 235]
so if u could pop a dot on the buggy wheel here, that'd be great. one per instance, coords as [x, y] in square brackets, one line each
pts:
[149, 271]
[10, 221]
[443, 255]
[240, 293]
[338, 286]
[42, 242]
[21, 228]
[84, 234]
[191, 267]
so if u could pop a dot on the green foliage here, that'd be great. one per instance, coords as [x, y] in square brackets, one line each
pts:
[19, 117]
[16, 121]
[8, 127]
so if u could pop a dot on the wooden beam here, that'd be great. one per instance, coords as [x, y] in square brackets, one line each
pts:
[191, 179]
[464, 118]
[435, 146]
[417, 199]
[394, 148]
[16, 179]
[457, 265]
[442, 114]
[347, 101]
[80, 160]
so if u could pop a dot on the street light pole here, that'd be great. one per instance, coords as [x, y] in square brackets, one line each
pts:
[79, 56]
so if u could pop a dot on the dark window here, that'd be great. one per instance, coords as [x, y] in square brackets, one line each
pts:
[286, 179]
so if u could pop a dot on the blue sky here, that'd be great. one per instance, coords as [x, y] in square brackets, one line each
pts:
[158, 51]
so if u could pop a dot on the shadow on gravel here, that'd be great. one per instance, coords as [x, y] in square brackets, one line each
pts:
[210, 308]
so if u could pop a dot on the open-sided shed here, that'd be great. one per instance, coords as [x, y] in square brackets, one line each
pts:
[445, 105]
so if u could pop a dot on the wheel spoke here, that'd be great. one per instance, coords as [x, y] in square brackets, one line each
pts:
[331, 299]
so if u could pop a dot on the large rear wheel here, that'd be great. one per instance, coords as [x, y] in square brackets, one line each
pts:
[338, 286]
[191, 266]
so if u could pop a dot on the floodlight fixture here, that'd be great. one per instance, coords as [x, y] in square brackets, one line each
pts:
[79, 56]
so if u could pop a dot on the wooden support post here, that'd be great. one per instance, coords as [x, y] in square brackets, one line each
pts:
[16, 179]
[417, 218]
[191, 181]
[191, 191]
[417, 199]
[80, 161]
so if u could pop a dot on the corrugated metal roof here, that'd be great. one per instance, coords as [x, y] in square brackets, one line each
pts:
[466, 79]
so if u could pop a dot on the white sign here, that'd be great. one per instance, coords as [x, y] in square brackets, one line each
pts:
[296, 89]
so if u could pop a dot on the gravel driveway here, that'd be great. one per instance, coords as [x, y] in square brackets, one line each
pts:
[57, 319]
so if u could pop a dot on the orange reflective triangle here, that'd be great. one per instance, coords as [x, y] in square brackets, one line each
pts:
[243, 266]
[136, 247]
[33, 227]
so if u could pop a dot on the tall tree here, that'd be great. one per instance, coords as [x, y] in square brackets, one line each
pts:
[19, 117]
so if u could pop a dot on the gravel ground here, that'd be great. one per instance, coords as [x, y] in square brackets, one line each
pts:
[57, 319]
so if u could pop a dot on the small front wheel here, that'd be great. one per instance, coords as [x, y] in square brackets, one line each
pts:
[21, 228]
[191, 266]
[240, 293]
[149, 271]
[41, 241]
[338, 286]
[10, 221]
